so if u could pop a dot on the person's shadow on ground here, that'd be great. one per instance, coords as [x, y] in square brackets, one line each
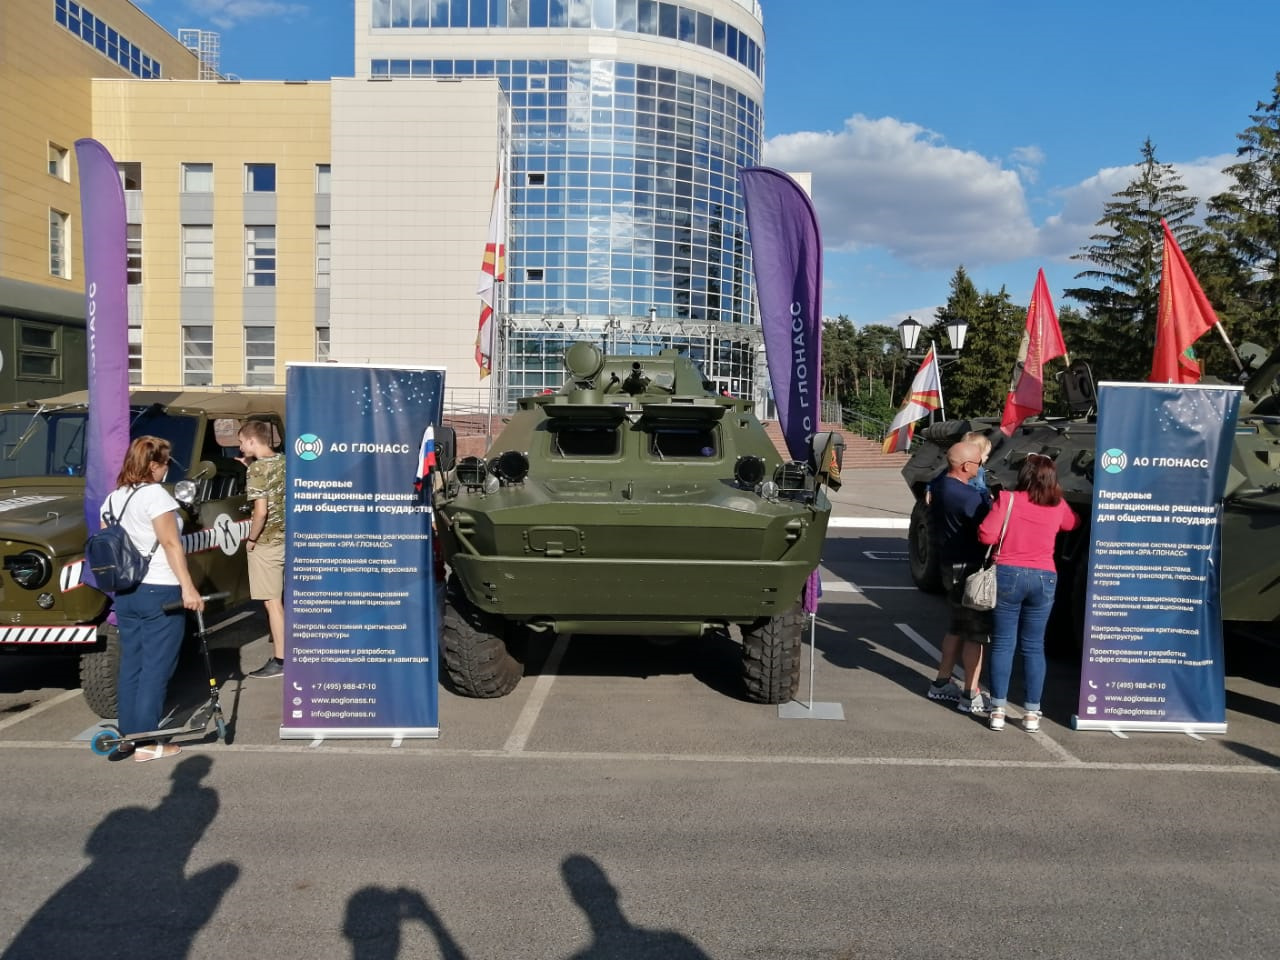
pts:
[374, 918]
[135, 901]
[614, 936]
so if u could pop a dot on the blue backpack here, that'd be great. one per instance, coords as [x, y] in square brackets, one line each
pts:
[116, 563]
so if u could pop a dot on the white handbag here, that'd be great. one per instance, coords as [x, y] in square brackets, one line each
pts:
[980, 586]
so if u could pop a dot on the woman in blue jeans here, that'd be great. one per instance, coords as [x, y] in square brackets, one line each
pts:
[150, 636]
[1026, 580]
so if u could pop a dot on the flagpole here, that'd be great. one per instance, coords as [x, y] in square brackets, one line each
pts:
[942, 406]
[1217, 325]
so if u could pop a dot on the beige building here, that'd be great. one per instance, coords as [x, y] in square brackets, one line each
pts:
[268, 222]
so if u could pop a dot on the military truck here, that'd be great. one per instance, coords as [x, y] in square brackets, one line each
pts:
[634, 502]
[1251, 515]
[45, 607]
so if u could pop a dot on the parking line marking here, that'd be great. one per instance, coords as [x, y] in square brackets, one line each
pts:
[868, 523]
[533, 706]
[784, 759]
[1064, 755]
[222, 624]
[40, 707]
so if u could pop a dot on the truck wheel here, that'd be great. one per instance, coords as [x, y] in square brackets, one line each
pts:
[475, 650]
[98, 670]
[771, 657]
[923, 558]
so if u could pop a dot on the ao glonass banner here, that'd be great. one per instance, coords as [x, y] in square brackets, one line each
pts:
[1152, 656]
[361, 622]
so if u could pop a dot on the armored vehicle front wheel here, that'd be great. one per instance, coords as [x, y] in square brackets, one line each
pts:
[771, 657]
[98, 670]
[474, 647]
[925, 572]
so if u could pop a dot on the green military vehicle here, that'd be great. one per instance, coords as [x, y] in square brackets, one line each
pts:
[637, 502]
[45, 608]
[1251, 503]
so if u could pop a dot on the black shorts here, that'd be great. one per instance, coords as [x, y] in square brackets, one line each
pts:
[971, 625]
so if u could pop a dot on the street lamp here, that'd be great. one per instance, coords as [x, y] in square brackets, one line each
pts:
[909, 333]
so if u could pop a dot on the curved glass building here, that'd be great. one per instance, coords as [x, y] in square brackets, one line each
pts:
[630, 121]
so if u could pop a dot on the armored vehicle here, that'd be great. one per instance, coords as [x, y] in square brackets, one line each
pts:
[1251, 516]
[44, 606]
[636, 501]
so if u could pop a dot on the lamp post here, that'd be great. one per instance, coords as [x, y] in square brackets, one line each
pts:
[909, 333]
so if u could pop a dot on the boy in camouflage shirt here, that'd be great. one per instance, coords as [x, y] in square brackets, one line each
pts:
[265, 543]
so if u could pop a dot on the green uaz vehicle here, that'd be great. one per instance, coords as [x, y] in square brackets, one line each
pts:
[44, 606]
[638, 502]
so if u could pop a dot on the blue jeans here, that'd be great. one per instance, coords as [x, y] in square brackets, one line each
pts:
[1024, 597]
[150, 640]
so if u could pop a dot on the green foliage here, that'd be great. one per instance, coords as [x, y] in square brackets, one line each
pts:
[977, 383]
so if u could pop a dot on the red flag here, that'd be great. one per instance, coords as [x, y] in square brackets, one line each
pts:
[1041, 342]
[923, 398]
[493, 270]
[1185, 314]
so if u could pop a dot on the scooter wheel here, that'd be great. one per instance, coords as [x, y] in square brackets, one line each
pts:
[104, 741]
[222, 729]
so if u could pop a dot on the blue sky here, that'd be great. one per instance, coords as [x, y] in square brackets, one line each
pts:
[938, 133]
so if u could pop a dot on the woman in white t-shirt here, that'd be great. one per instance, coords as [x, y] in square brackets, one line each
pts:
[150, 636]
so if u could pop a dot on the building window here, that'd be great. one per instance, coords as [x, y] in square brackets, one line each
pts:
[58, 265]
[322, 344]
[197, 255]
[259, 178]
[135, 356]
[533, 274]
[197, 178]
[197, 355]
[260, 256]
[104, 38]
[58, 163]
[259, 356]
[322, 257]
[133, 254]
[130, 175]
[38, 351]
[322, 178]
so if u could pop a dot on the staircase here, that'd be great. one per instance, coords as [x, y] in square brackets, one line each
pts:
[859, 452]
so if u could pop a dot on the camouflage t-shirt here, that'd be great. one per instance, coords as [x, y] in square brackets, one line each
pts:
[266, 482]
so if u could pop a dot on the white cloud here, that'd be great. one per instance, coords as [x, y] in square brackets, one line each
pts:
[1081, 205]
[892, 184]
[229, 13]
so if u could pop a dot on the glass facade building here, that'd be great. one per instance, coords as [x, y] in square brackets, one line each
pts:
[630, 122]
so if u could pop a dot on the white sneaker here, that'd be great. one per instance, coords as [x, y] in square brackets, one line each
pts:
[996, 721]
[1031, 721]
[972, 704]
[948, 691]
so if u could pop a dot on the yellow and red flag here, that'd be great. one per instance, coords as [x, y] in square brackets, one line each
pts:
[1185, 314]
[492, 272]
[924, 397]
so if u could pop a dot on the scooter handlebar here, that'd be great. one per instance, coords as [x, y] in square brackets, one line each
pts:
[207, 598]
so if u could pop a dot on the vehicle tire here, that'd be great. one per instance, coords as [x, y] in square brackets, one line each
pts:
[771, 657]
[98, 672]
[474, 648]
[923, 558]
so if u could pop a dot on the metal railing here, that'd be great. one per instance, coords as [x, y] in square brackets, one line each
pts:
[865, 426]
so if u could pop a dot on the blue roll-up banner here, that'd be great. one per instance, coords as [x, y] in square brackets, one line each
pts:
[1152, 656]
[361, 623]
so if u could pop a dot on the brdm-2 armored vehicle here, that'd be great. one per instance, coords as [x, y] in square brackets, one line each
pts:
[45, 608]
[635, 501]
[1251, 508]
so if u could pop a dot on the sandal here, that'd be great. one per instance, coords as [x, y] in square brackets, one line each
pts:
[156, 751]
[996, 721]
[1031, 721]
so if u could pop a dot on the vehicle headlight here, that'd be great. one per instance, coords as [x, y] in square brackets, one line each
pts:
[30, 569]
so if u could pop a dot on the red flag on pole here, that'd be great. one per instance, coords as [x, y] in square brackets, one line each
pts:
[1041, 342]
[923, 398]
[1185, 314]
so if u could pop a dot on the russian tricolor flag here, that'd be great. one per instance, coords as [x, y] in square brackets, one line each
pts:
[426, 459]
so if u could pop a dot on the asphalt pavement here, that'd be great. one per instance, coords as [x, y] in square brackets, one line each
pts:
[626, 802]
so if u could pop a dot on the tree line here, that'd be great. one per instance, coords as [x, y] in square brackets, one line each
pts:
[1112, 322]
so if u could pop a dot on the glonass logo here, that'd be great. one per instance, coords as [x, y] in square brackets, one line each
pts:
[1114, 460]
[308, 446]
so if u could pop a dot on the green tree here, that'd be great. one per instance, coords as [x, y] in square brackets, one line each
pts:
[1126, 256]
[975, 385]
[1242, 260]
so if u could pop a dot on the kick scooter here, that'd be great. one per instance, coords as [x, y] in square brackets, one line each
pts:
[110, 736]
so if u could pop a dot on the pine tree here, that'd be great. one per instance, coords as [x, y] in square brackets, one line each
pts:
[1127, 257]
[1242, 258]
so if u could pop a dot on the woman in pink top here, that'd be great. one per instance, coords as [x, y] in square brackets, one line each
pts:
[1026, 580]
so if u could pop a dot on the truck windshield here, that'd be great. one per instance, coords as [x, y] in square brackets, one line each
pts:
[51, 442]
